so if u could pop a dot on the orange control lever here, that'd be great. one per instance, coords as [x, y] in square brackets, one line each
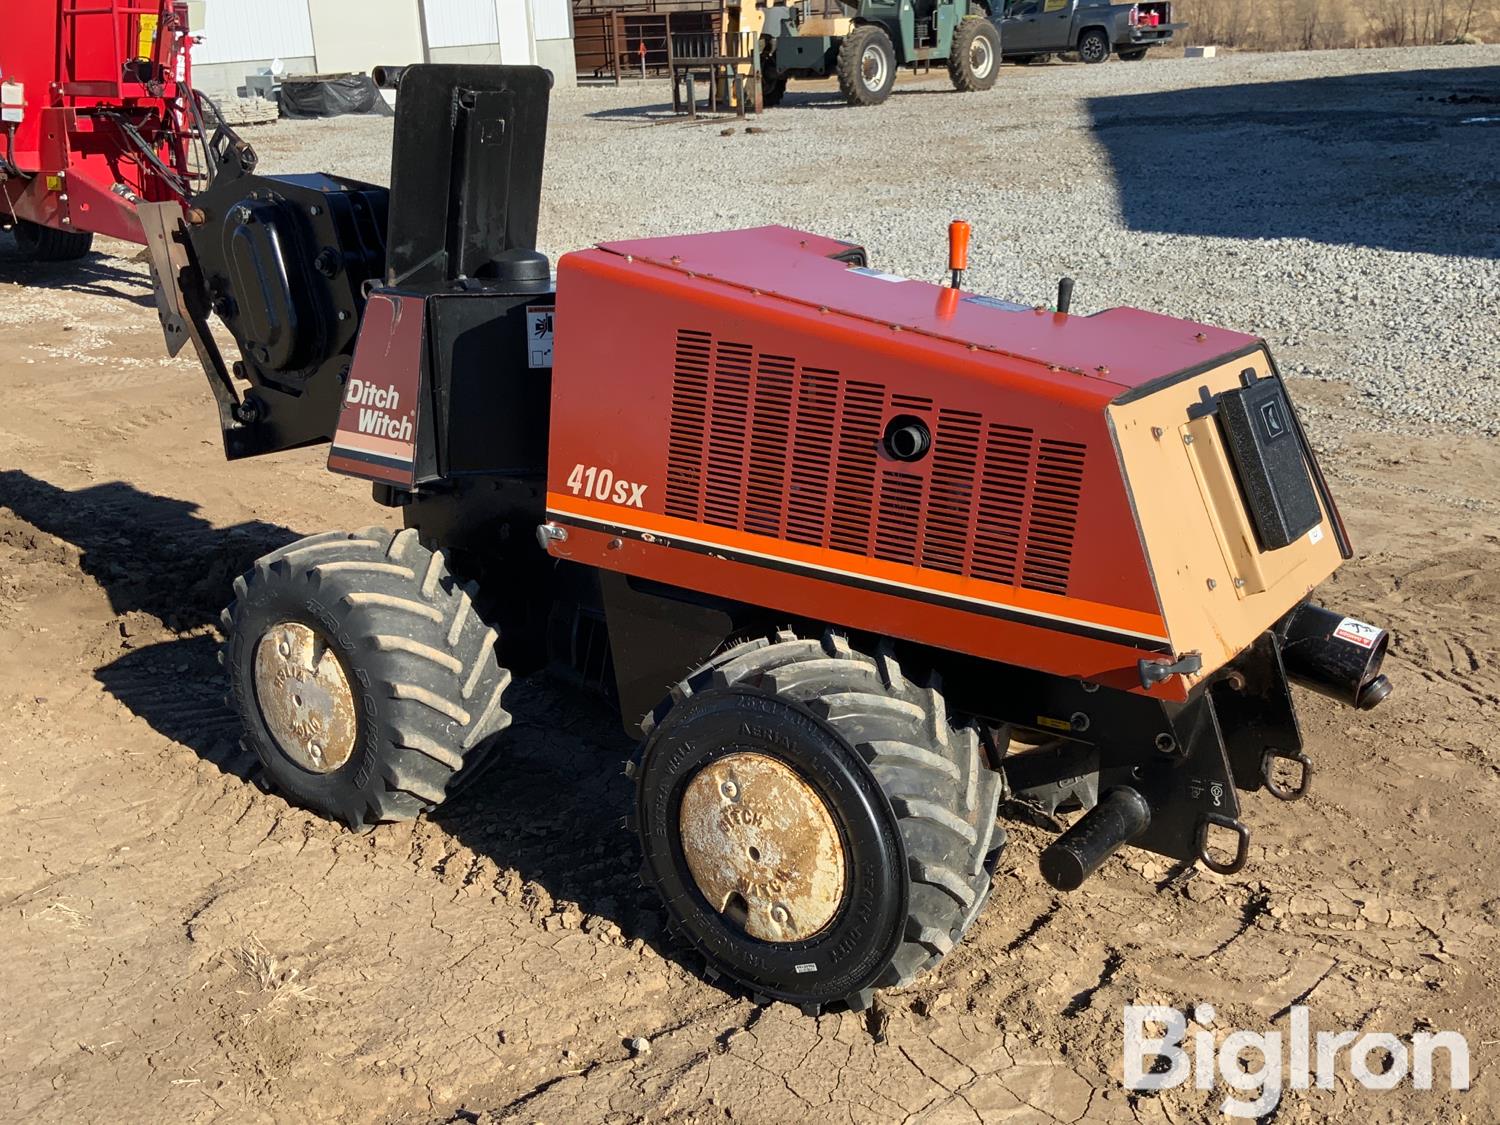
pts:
[958, 249]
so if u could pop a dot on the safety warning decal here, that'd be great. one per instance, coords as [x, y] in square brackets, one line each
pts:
[539, 335]
[1357, 633]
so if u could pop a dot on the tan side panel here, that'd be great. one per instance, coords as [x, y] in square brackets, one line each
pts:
[1218, 590]
[834, 26]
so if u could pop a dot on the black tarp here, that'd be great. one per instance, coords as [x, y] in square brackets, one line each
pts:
[332, 97]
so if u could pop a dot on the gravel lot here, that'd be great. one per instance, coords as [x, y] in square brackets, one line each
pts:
[1334, 202]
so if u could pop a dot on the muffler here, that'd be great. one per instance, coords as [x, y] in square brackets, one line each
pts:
[1337, 656]
[387, 77]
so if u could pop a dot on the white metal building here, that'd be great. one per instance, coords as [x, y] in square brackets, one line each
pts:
[333, 36]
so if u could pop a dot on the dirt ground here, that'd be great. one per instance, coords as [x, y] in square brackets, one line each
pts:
[181, 945]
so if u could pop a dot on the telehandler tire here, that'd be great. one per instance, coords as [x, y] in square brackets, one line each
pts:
[1134, 54]
[974, 61]
[367, 684]
[37, 243]
[772, 92]
[866, 65]
[815, 826]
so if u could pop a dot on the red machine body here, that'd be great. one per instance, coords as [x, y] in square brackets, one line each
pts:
[97, 112]
[856, 553]
[738, 448]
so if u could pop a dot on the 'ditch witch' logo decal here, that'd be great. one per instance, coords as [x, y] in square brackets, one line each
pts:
[378, 408]
[377, 432]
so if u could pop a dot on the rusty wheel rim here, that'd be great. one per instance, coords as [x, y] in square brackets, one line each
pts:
[762, 847]
[304, 698]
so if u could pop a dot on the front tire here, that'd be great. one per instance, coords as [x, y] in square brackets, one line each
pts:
[814, 825]
[772, 91]
[1093, 46]
[974, 60]
[367, 684]
[866, 65]
[37, 243]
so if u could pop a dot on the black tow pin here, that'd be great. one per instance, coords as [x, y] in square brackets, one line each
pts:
[1120, 816]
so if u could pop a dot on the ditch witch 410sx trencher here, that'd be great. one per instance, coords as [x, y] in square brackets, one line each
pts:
[858, 556]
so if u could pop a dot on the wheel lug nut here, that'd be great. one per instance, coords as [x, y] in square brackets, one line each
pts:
[730, 790]
[285, 648]
[780, 915]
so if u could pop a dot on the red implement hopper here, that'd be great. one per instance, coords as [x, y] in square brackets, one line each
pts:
[97, 114]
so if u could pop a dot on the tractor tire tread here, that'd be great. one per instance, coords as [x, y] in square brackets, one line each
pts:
[960, 73]
[850, 59]
[425, 648]
[38, 243]
[944, 796]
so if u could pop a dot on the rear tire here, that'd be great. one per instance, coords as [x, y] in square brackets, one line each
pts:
[866, 65]
[772, 91]
[913, 799]
[1093, 46]
[974, 60]
[367, 684]
[1135, 54]
[37, 243]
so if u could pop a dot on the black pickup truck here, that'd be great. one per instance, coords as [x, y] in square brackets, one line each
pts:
[1034, 30]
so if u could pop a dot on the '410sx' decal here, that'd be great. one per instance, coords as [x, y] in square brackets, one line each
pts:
[600, 484]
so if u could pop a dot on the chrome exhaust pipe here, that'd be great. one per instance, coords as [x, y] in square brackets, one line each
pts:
[1334, 655]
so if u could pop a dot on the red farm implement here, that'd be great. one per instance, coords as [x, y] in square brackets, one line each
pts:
[98, 116]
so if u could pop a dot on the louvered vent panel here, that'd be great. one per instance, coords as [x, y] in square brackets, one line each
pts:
[689, 418]
[817, 403]
[1008, 454]
[728, 434]
[950, 504]
[911, 402]
[766, 481]
[763, 445]
[1054, 516]
[854, 497]
[900, 516]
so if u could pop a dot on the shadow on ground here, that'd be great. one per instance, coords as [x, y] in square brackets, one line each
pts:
[550, 806]
[155, 556]
[1397, 161]
[92, 274]
[150, 554]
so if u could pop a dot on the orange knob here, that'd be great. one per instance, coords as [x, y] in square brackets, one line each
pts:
[958, 245]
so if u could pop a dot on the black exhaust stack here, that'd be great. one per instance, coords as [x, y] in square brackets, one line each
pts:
[1334, 655]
